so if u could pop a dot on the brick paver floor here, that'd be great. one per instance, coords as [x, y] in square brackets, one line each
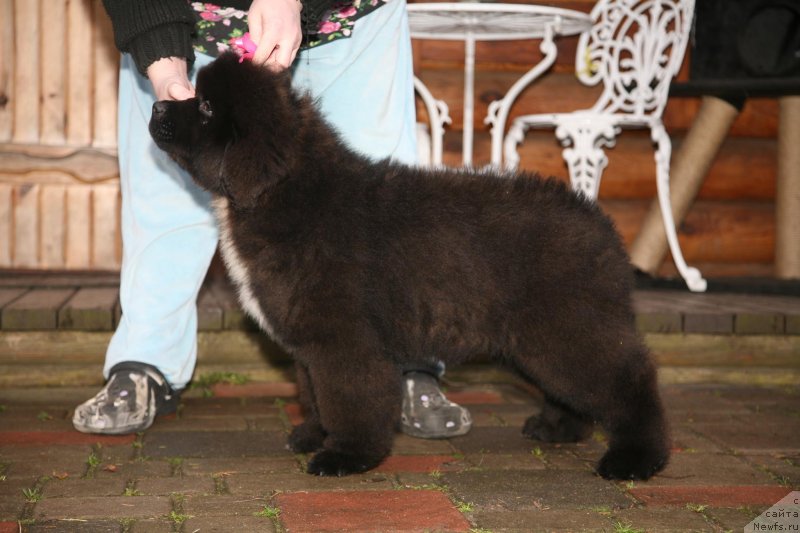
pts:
[221, 465]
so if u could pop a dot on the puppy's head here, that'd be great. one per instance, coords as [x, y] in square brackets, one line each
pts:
[229, 136]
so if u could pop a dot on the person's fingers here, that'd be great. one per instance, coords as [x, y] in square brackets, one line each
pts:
[265, 48]
[275, 29]
[255, 27]
[180, 91]
[282, 57]
[169, 79]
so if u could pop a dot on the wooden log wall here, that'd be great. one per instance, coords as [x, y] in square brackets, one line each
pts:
[730, 228]
[59, 190]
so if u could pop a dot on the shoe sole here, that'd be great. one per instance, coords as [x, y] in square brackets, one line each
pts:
[421, 434]
[110, 431]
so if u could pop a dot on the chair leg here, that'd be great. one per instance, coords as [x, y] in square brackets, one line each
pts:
[438, 116]
[424, 145]
[688, 169]
[694, 280]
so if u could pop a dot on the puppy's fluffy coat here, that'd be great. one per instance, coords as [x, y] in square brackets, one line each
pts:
[357, 267]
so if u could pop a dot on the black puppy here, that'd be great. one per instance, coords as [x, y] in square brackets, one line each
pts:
[357, 266]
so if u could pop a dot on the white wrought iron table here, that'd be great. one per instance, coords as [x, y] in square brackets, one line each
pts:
[472, 22]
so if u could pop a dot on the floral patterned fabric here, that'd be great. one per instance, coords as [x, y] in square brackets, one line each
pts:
[218, 26]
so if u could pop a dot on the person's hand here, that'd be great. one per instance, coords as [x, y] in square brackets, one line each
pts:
[276, 29]
[170, 79]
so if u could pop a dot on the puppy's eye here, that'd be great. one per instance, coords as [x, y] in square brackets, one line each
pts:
[205, 109]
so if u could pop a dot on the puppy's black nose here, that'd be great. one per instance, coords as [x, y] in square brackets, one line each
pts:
[159, 108]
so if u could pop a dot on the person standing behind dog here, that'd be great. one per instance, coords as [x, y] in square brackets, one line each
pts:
[362, 77]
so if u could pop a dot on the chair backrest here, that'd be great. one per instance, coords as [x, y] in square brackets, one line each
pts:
[635, 47]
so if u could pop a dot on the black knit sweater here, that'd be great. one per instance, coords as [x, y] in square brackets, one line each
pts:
[152, 29]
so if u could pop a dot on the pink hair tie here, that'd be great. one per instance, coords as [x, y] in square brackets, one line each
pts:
[244, 46]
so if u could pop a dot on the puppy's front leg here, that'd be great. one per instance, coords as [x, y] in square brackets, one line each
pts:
[358, 399]
[308, 436]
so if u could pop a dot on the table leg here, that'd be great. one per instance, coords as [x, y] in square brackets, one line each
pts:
[498, 110]
[469, 98]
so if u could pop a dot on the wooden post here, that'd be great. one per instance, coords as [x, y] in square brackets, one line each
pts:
[79, 72]
[690, 166]
[106, 74]
[27, 40]
[7, 39]
[52, 71]
[787, 190]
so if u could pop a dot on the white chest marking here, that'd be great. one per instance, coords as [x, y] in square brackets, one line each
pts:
[238, 270]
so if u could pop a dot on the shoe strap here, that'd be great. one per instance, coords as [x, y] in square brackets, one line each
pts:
[157, 379]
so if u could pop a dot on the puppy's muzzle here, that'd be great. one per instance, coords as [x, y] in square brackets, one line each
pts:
[159, 109]
[161, 128]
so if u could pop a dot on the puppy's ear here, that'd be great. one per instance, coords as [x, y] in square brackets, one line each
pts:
[249, 172]
[260, 118]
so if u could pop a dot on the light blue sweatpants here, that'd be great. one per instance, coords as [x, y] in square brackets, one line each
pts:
[365, 89]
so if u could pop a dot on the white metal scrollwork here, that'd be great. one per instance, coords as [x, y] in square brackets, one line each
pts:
[586, 159]
[635, 48]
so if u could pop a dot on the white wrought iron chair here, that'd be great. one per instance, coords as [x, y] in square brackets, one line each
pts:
[635, 48]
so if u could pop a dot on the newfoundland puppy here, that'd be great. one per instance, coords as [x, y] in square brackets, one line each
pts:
[357, 267]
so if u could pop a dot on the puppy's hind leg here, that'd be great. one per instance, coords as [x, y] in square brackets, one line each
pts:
[557, 423]
[637, 427]
[309, 435]
[559, 420]
[616, 387]
[358, 399]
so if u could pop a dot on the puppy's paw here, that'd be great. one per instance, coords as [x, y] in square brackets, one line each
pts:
[632, 463]
[306, 438]
[331, 463]
[566, 429]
